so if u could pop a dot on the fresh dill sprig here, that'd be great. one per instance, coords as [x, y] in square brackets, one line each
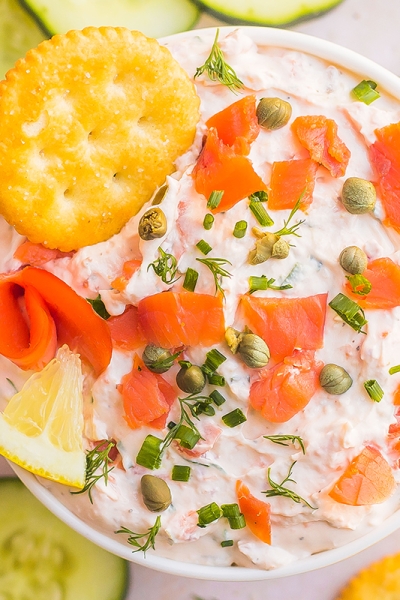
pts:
[142, 541]
[293, 229]
[282, 439]
[218, 69]
[278, 489]
[191, 404]
[98, 458]
[165, 267]
[216, 268]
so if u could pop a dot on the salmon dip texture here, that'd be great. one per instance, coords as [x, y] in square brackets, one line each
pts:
[253, 305]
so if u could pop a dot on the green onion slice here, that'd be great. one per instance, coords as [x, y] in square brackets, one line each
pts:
[366, 91]
[215, 199]
[208, 514]
[240, 229]
[392, 370]
[149, 455]
[187, 437]
[234, 418]
[263, 283]
[215, 379]
[204, 247]
[208, 221]
[374, 390]
[227, 543]
[214, 359]
[217, 398]
[359, 284]
[260, 213]
[190, 281]
[260, 196]
[349, 311]
[180, 473]
[235, 517]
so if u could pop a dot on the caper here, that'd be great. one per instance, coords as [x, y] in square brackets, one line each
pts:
[233, 337]
[273, 113]
[263, 249]
[280, 249]
[152, 224]
[253, 351]
[157, 359]
[334, 379]
[358, 196]
[353, 260]
[159, 195]
[156, 493]
[191, 379]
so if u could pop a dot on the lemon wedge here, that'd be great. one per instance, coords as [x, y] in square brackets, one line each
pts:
[41, 427]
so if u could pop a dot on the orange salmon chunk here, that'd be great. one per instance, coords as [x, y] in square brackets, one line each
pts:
[291, 180]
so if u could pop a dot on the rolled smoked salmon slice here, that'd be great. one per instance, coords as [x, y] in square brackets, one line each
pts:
[173, 319]
[285, 389]
[286, 323]
[384, 276]
[367, 480]
[319, 135]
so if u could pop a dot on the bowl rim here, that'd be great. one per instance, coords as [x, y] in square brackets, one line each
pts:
[367, 69]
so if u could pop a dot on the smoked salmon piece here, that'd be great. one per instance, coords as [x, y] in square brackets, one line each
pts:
[173, 319]
[291, 180]
[385, 157]
[237, 123]
[256, 512]
[125, 331]
[384, 276]
[367, 480]
[219, 167]
[285, 389]
[37, 255]
[319, 135]
[286, 323]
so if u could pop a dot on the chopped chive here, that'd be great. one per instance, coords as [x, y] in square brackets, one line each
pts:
[214, 359]
[359, 284]
[185, 363]
[99, 307]
[234, 418]
[227, 543]
[374, 390]
[190, 281]
[217, 398]
[235, 517]
[215, 199]
[349, 311]
[149, 455]
[263, 283]
[204, 247]
[260, 196]
[208, 514]
[208, 221]
[366, 91]
[187, 437]
[392, 370]
[215, 379]
[261, 214]
[180, 473]
[240, 229]
[203, 408]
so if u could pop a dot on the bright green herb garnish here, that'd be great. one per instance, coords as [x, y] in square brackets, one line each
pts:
[359, 284]
[190, 280]
[217, 398]
[204, 247]
[99, 307]
[216, 267]
[208, 514]
[263, 283]
[349, 311]
[150, 453]
[235, 517]
[227, 543]
[240, 229]
[283, 439]
[98, 458]
[218, 69]
[165, 267]
[260, 196]
[180, 473]
[374, 390]
[278, 489]
[142, 541]
[208, 221]
[215, 199]
[292, 230]
[394, 370]
[366, 91]
[234, 418]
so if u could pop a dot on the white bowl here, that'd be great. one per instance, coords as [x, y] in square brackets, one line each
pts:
[356, 63]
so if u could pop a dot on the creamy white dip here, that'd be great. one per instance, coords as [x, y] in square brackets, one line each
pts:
[334, 428]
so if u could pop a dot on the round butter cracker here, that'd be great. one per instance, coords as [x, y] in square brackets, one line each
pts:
[380, 581]
[91, 123]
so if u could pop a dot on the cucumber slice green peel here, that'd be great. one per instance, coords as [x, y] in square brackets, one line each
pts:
[43, 559]
[275, 13]
[154, 18]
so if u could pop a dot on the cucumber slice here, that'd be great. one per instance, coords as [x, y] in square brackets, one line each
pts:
[155, 18]
[18, 33]
[275, 13]
[41, 558]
